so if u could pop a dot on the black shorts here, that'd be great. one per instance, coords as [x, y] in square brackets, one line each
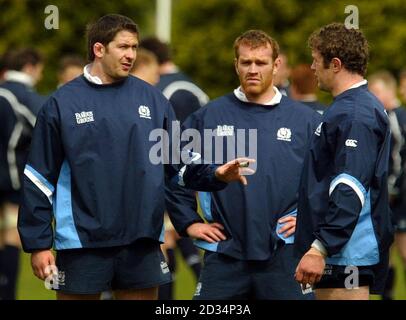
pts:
[348, 277]
[225, 278]
[373, 276]
[90, 271]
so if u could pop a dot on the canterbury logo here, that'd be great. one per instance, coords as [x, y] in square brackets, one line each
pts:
[351, 143]
[144, 112]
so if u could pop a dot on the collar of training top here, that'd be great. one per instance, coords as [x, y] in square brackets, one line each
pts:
[275, 100]
[18, 76]
[89, 77]
[358, 84]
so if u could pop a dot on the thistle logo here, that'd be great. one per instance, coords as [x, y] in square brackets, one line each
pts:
[144, 112]
[351, 143]
[284, 134]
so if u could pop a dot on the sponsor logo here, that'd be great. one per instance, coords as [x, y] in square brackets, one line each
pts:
[225, 130]
[84, 117]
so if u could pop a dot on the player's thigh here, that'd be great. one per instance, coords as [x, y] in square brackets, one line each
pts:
[66, 296]
[137, 294]
[361, 293]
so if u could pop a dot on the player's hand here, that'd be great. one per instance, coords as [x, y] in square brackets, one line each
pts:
[289, 226]
[210, 232]
[235, 170]
[310, 268]
[40, 260]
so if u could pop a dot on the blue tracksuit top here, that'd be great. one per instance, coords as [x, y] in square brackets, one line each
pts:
[250, 213]
[343, 197]
[89, 169]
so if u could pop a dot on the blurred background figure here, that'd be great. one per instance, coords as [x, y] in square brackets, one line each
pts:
[19, 105]
[383, 85]
[185, 97]
[70, 67]
[303, 87]
[281, 78]
[402, 85]
[146, 66]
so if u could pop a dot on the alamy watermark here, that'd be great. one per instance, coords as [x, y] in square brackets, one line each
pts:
[52, 19]
[352, 20]
[209, 146]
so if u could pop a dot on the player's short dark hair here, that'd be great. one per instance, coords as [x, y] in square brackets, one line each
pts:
[159, 48]
[16, 60]
[349, 45]
[303, 78]
[255, 39]
[105, 29]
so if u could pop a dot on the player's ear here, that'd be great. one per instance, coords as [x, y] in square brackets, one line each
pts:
[98, 49]
[336, 64]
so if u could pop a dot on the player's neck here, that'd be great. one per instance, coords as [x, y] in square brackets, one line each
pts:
[345, 81]
[263, 98]
[96, 70]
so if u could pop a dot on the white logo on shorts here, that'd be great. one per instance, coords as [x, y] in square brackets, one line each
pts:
[55, 279]
[198, 289]
[164, 267]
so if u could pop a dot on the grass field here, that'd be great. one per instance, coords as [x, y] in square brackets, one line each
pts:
[30, 288]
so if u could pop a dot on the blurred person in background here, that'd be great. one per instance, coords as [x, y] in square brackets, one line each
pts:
[146, 66]
[186, 97]
[303, 87]
[19, 106]
[383, 85]
[70, 67]
[402, 85]
[281, 79]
